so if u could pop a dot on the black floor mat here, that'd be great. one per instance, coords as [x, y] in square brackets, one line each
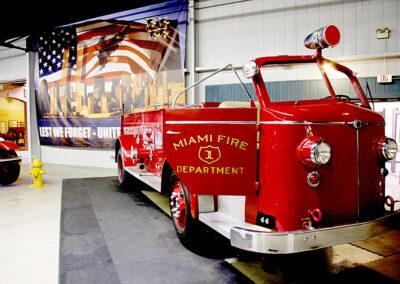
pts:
[115, 236]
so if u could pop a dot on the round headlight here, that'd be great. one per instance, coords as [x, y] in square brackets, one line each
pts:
[250, 69]
[389, 149]
[320, 153]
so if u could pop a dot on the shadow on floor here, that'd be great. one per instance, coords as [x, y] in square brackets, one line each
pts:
[111, 235]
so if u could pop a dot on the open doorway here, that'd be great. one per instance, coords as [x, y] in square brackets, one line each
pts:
[13, 115]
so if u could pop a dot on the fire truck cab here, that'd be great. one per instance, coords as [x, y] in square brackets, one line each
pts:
[274, 177]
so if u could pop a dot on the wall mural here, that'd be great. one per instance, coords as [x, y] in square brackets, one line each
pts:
[90, 71]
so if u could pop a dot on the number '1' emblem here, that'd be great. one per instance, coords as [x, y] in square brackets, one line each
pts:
[209, 154]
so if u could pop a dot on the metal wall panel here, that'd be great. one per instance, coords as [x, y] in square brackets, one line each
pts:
[235, 31]
[305, 89]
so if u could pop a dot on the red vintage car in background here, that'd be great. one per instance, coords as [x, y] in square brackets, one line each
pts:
[275, 176]
[9, 162]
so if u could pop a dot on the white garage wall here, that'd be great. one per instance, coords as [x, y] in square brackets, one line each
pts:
[13, 64]
[237, 31]
[78, 156]
[13, 68]
[246, 29]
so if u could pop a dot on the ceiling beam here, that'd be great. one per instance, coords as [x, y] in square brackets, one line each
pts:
[10, 45]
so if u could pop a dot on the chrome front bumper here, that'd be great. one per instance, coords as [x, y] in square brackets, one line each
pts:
[304, 240]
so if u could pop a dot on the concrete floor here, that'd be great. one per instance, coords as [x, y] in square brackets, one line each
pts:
[30, 234]
[30, 224]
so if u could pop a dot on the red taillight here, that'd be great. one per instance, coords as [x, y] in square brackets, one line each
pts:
[313, 179]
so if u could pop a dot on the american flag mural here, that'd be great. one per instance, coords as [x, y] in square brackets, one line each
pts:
[90, 71]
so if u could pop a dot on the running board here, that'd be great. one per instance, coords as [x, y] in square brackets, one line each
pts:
[151, 180]
[223, 223]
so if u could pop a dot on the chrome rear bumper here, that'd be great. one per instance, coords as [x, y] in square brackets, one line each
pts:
[304, 240]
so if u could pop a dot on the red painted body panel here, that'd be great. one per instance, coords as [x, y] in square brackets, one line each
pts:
[287, 195]
[8, 145]
[143, 132]
[214, 151]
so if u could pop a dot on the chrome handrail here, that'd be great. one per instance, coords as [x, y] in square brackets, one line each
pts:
[209, 76]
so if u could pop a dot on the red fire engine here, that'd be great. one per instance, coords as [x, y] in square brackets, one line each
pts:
[273, 177]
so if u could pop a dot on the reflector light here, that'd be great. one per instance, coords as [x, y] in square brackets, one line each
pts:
[313, 179]
[328, 36]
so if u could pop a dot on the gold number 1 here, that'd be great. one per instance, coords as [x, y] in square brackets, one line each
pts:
[209, 155]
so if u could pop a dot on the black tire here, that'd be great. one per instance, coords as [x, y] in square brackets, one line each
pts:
[124, 178]
[186, 227]
[9, 171]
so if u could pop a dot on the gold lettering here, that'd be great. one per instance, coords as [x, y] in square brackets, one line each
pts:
[235, 142]
[178, 145]
[209, 156]
[220, 138]
[192, 140]
[212, 170]
[202, 139]
[243, 145]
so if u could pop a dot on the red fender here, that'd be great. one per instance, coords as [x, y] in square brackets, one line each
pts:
[8, 145]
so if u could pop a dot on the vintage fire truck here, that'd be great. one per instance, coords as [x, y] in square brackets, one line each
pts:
[274, 177]
[9, 162]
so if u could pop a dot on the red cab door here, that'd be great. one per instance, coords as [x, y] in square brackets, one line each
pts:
[212, 150]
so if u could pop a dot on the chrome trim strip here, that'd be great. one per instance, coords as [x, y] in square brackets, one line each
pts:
[173, 132]
[317, 123]
[10, 160]
[208, 122]
[302, 122]
[304, 240]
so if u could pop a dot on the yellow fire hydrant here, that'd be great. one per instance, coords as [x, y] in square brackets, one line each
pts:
[37, 172]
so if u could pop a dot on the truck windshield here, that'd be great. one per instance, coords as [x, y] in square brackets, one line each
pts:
[299, 82]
